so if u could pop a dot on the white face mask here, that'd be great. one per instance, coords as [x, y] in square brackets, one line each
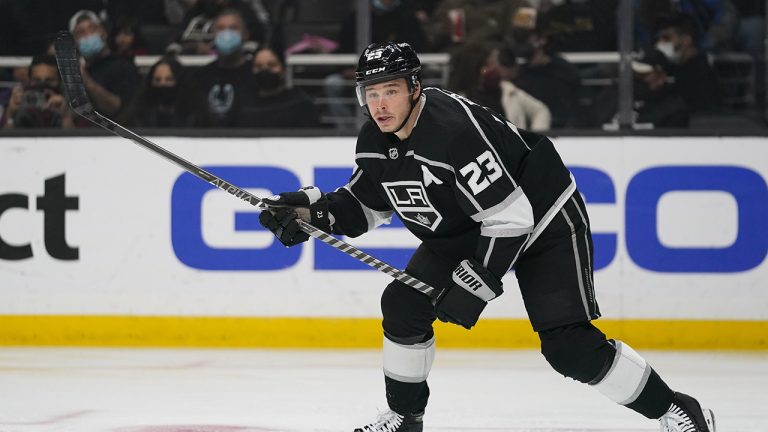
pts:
[669, 51]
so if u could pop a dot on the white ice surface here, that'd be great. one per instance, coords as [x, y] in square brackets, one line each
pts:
[158, 390]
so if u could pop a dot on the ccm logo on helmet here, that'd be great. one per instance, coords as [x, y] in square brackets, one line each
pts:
[373, 71]
[467, 278]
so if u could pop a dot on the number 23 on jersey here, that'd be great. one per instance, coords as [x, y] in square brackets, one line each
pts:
[481, 172]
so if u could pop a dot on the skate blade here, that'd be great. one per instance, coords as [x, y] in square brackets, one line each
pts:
[709, 417]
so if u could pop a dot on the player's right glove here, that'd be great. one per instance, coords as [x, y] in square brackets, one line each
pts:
[308, 204]
[473, 287]
[284, 224]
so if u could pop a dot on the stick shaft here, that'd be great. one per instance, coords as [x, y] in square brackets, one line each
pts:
[68, 62]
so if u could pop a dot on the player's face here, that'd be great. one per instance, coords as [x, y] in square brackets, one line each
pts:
[389, 103]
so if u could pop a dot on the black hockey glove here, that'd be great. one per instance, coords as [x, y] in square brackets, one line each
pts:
[308, 204]
[473, 287]
[283, 222]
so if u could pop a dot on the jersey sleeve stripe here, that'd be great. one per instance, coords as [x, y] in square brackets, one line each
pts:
[431, 162]
[354, 180]
[514, 220]
[482, 134]
[369, 156]
[511, 198]
[373, 217]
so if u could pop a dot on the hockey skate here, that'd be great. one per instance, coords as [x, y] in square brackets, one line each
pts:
[390, 421]
[686, 415]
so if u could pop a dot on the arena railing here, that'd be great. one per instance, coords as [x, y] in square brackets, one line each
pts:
[437, 66]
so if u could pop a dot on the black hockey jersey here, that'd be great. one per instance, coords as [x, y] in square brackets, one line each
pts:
[466, 182]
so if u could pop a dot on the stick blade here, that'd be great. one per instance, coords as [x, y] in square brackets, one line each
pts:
[69, 68]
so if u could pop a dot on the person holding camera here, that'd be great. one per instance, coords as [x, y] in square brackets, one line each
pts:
[40, 103]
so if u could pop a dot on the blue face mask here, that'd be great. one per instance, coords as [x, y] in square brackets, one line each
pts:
[228, 41]
[90, 45]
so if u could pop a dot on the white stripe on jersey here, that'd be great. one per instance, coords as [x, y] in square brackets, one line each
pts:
[445, 166]
[579, 273]
[586, 234]
[369, 156]
[373, 217]
[517, 255]
[489, 252]
[481, 132]
[514, 219]
[544, 222]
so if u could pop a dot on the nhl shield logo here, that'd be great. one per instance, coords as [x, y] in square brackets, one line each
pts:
[410, 200]
[393, 154]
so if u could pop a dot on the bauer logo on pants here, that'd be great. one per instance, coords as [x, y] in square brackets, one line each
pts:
[409, 199]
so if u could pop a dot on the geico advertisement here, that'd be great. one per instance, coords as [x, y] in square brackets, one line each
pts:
[102, 226]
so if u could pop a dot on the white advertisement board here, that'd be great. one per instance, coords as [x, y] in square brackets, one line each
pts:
[99, 226]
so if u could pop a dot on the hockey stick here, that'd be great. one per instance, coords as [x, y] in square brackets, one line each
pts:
[69, 67]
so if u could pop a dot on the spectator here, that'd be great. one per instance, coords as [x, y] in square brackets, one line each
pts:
[475, 74]
[657, 103]
[275, 105]
[126, 39]
[199, 18]
[27, 27]
[520, 108]
[547, 76]
[109, 80]
[40, 102]
[714, 20]
[678, 40]
[454, 22]
[227, 84]
[160, 104]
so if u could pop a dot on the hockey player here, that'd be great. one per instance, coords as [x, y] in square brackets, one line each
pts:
[483, 197]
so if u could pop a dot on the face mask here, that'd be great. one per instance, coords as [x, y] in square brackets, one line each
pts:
[669, 51]
[90, 45]
[165, 96]
[228, 42]
[268, 80]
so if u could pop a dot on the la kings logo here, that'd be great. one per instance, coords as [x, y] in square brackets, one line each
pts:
[409, 199]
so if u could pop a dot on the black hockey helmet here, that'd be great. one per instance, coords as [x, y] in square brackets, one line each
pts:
[387, 61]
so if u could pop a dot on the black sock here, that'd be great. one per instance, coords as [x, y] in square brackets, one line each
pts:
[655, 399]
[406, 398]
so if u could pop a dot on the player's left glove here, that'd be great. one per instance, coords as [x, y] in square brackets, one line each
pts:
[473, 287]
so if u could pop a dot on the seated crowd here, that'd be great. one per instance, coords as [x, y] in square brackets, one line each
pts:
[504, 54]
